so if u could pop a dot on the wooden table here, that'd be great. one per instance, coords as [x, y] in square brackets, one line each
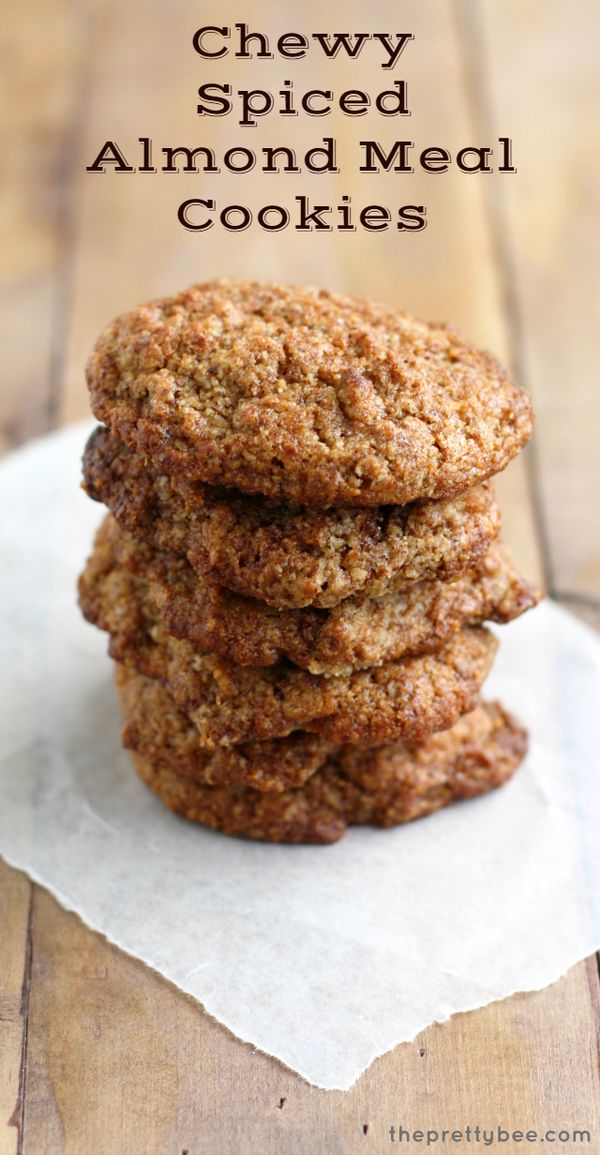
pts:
[97, 1054]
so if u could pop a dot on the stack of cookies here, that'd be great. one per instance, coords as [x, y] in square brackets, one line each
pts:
[301, 551]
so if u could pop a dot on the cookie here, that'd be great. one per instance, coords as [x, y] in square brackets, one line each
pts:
[157, 730]
[353, 635]
[289, 557]
[305, 395]
[382, 787]
[231, 704]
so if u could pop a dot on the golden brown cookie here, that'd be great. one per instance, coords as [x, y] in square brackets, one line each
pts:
[231, 704]
[289, 556]
[353, 635]
[157, 730]
[305, 395]
[383, 786]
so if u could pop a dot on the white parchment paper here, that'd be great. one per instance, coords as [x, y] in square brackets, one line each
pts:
[322, 956]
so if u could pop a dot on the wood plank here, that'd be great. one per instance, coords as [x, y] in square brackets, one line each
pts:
[39, 113]
[124, 1062]
[15, 903]
[522, 81]
[537, 76]
[38, 116]
[118, 1060]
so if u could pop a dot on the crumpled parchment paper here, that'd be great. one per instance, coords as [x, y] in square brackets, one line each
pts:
[322, 956]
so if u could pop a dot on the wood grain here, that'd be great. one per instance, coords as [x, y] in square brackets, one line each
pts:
[120, 1061]
[15, 962]
[39, 114]
[534, 68]
[98, 1053]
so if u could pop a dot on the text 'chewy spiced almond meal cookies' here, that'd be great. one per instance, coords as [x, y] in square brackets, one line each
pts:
[300, 557]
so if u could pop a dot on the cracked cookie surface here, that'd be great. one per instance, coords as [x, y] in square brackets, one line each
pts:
[353, 635]
[383, 786]
[232, 704]
[289, 556]
[157, 729]
[305, 395]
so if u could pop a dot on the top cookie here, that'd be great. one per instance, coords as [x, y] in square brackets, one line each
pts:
[305, 395]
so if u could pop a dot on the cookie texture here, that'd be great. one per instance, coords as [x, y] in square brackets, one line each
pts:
[231, 704]
[305, 395]
[353, 635]
[289, 556]
[157, 730]
[383, 786]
